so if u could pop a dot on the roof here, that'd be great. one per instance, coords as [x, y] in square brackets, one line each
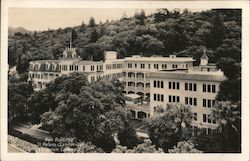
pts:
[160, 59]
[204, 56]
[44, 61]
[87, 62]
[133, 96]
[185, 75]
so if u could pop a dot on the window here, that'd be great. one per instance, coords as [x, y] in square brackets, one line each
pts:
[186, 86]
[164, 66]
[154, 97]
[208, 88]
[154, 83]
[204, 103]
[162, 84]
[174, 66]
[148, 66]
[209, 103]
[208, 118]
[213, 88]
[76, 68]
[169, 85]
[92, 78]
[195, 87]
[135, 65]
[195, 116]
[162, 98]
[186, 100]
[142, 66]
[204, 88]
[129, 65]
[213, 103]
[177, 85]
[195, 101]
[156, 66]
[169, 99]
[204, 118]
[83, 68]
[190, 101]
[173, 85]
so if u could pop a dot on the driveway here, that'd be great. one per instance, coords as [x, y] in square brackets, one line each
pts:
[37, 133]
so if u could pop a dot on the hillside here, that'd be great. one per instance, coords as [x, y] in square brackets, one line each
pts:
[13, 30]
[163, 33]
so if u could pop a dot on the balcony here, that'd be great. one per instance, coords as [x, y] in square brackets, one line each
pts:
[130, 88]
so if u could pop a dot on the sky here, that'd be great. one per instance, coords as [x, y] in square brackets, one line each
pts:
[40, 19]
[43, 18]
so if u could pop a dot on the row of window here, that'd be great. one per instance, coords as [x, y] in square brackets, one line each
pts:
[53, 66]
[209, 88]
[188, 86]
[156, 66]
[208, 103]
[191, 101]
[159, 97]
[208, 119]
[43, 76]
[72, 68]
[174, 98]
[113, 66]
[158, 84]
[173, 85]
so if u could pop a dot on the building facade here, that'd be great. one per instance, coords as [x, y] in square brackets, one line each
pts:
[196, 87]
[156, 80]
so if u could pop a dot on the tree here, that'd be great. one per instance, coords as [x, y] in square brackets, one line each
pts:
[140, 17]
[171, 126]
[73, 35]
[184, 147]
[229, 66]
[145, 147]
[92, 22]
[18, 94]
[161, 15]
[94, 36]
[91, 113]
[217, 32]
[228, 116]
[83, 27]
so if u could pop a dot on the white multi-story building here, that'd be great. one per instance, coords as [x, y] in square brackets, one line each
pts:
[43, 71]
[196, 87]
[156, 81]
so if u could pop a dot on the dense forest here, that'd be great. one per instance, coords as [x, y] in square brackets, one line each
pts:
[164, 32]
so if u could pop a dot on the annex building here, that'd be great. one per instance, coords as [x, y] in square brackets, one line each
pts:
[150, 82]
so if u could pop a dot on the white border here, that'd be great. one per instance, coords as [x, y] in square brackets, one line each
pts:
[244, 5]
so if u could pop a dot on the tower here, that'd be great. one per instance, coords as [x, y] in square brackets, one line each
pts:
[204, 58]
